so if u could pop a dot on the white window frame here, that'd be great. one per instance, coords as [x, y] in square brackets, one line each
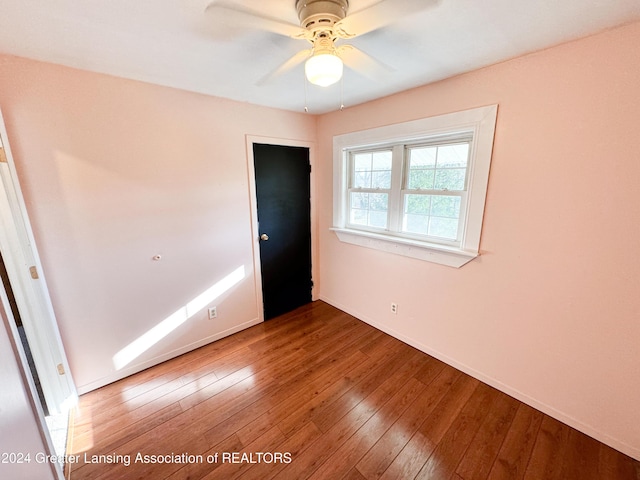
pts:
[479, 123]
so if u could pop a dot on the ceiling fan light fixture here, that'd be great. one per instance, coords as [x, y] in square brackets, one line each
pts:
[323, 69]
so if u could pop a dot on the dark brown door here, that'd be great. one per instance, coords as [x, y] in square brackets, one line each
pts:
[284, 219]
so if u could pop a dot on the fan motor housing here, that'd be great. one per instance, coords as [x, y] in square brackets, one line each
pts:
[321, 14]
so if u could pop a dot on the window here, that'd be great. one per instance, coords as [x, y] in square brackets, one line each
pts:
[370, 187]
[434, 189]
[416, 188]
[425, 203]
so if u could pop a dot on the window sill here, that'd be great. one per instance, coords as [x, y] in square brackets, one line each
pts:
[450, 256]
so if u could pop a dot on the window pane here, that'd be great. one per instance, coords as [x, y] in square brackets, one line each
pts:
[359, 217]
[381, 179]
[368, 209]
[422, 162]
[372, 170]
[362, 161]
[453, 155]
[378, 219]
[420, 204]
[362, 180]
[445, 206]
[438, 167]
[421, 179]
[378, 201]
[434, 215]
[450, 178]
[360, 200]
[423, 157]
[382, 160]
[443, 227]
[416, 224]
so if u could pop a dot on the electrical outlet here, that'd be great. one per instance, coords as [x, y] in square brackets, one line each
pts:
[394, 308]
[213, 313]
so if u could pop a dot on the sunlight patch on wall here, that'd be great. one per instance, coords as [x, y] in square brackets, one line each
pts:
[143, 343]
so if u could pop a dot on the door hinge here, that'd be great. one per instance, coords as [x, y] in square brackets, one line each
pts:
[3, 156]
[34, 272]
[60, 369]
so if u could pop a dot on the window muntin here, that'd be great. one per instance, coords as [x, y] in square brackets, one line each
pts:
[426, 203]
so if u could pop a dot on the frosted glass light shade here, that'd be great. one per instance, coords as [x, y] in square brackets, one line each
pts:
[324, 69]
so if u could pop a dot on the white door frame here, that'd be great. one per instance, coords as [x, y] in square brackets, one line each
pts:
[7, 322]
[255, 235]
[29, 287]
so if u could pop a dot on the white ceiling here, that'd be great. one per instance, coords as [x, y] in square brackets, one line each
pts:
[176, 43]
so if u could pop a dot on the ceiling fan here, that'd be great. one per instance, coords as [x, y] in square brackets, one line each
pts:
[323, 23]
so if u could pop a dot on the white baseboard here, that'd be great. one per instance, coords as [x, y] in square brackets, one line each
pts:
[125, 372]
[524, 398]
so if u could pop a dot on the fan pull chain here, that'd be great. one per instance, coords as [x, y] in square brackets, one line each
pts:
[304, 79]
[342, 93]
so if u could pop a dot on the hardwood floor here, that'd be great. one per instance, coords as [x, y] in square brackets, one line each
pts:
[318, 394]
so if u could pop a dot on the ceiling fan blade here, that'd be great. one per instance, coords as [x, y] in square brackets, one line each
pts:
[231, 12]
[363, 63]
[380, 15]
[290, 64]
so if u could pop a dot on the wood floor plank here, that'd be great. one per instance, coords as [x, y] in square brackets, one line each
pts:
[340, 398]
[259, 416]
[293, 446]
[513, 458]
[178, 369]
[185, 432]
[383, 453]
[613, 465]
[411, 458]
[128, 414]
[436, 425]
[485, 446]
[322, 370]
[327, 416]
[278, 364]
[114, 437]
[341, 430]
[430, 370]
[353, 474]
[159, 397]
[379, 341]
[148, 378]
[417, 451]
[307, 411]
[447, 455]
[356, 447]
[198, 470]
[250, 455]
[581, 457]
[549, 450]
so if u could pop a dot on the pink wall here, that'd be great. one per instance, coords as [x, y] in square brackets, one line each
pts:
[550, 312]
[116, 171]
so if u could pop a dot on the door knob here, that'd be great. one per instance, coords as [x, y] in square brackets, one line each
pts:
[264, 237]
